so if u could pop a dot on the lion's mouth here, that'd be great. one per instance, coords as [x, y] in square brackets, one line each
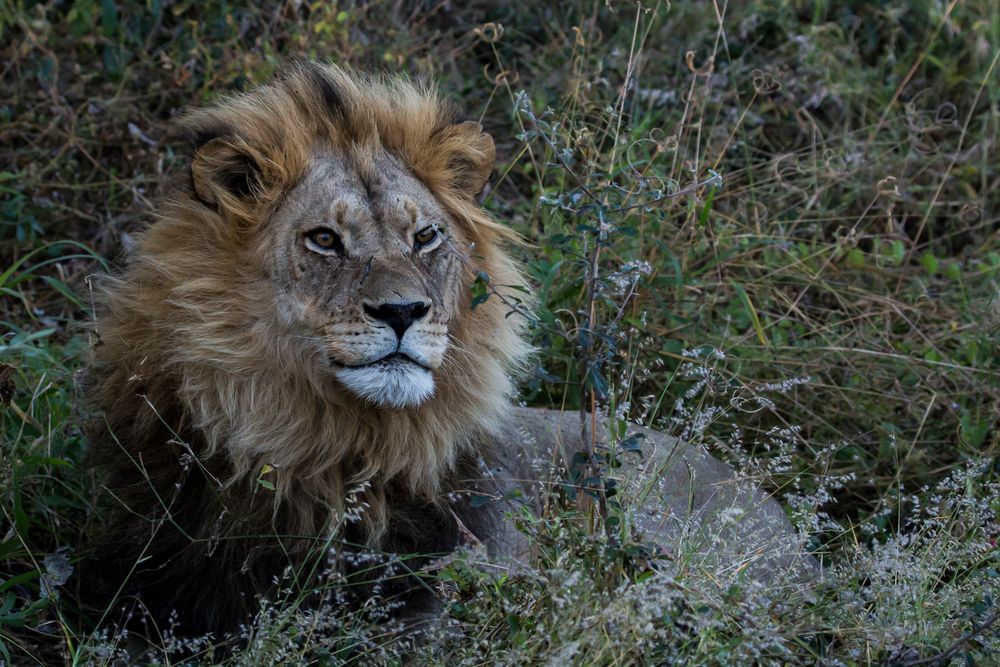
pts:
[389, 360]
[396, 380]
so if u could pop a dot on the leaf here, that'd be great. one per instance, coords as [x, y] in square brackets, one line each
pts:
[480, 289]
[597, 382]
[9, 547]
[855, 259]
[633, 443]
[592, 486]
[264, 470]
[973, 433]
[897, 251]
[748, 305]
[19, 579]
[707, 209]
[929, 262]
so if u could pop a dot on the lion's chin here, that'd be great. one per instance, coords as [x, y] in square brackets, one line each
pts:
[396, 383]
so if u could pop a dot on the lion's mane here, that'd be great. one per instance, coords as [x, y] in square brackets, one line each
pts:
[201, 407]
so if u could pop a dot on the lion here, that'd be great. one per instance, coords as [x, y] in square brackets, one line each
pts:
[291, 356]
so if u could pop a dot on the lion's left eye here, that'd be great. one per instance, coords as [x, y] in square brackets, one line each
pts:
[425, 237]
[325, 241]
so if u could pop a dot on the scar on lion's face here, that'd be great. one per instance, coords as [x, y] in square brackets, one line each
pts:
[369, 263]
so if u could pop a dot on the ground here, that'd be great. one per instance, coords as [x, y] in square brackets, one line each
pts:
[767, 227]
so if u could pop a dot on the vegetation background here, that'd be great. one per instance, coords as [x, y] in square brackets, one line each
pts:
[767, 226]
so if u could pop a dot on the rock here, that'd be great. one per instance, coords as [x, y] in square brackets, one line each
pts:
[701, 511]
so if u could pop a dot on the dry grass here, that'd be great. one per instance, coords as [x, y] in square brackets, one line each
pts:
[847, 268]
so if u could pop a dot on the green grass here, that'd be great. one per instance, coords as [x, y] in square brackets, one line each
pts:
[783, 246]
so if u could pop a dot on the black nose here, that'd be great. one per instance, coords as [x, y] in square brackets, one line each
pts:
[399, 316]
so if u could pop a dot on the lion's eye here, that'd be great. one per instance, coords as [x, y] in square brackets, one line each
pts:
[425, 237]
[325, 240]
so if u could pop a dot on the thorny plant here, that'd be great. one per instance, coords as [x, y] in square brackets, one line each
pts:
[597, 203]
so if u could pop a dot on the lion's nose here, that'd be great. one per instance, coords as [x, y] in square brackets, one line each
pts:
[399, 316]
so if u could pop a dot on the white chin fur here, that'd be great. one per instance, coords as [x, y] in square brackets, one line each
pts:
[394, 385]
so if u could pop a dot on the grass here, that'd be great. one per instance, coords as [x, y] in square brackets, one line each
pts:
[768, 228]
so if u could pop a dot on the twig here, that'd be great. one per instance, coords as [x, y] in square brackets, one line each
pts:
[959, 643]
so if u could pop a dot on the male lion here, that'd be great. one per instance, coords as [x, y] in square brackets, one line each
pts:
[295, 329]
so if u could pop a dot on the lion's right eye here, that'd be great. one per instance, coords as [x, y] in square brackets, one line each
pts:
[325, 241]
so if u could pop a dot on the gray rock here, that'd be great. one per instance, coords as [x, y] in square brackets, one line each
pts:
[701, 511]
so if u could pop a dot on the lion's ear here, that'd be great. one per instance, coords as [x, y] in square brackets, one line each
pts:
[224, 175]
[471, 158]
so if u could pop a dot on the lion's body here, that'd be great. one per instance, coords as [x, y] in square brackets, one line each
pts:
[199, 373]
[255, 367]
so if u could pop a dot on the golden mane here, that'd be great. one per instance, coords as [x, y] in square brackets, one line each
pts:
[189, 373]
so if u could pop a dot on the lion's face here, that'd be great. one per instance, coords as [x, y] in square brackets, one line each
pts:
[350, 205]
[367, 270]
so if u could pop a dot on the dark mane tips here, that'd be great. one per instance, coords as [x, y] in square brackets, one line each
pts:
[328, 91]
[193, 133]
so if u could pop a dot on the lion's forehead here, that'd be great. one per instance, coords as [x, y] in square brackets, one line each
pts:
[382, 200]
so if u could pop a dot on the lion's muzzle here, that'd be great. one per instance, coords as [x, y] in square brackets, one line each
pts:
[392, 363]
